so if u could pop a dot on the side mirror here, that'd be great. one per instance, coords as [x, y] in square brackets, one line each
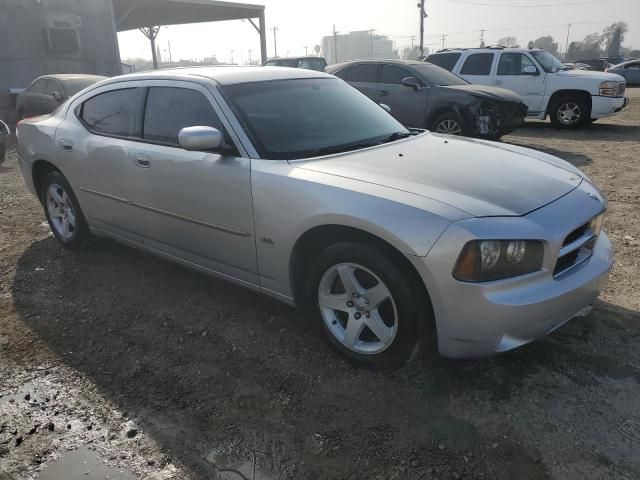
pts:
[200, 138]
[412, 82]
[531, 70]
[58, 96]
[386, 107]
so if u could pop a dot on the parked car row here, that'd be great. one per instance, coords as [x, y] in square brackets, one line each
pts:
[296, 185]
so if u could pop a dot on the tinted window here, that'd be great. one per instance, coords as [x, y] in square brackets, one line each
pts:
[393, 75]
[302, 118]
[52, 86]
[444, 60]
[477, 64]
[317, 64]
[169, 110]
[439, 76]
[513, 64]
[633, 66]
[111, 113]
[342, 73]
[38, 87]
[363, 73]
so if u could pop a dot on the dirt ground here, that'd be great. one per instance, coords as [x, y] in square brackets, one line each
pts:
[114, 364]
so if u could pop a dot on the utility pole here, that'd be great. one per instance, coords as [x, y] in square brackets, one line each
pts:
[152, 33]
[306, 51]
[371, 43]
[444, 35]
[335, 44]
[170, 57]
[231, 57]
[249, 57]
[423, 15]
[566, 51]
[275, 42]
[482, 38]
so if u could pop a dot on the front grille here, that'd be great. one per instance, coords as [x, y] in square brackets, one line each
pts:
[576, 248]
[621, 88]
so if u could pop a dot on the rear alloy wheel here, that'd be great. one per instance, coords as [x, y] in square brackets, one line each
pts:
[63, 212]
[448, 124]
[569, 112]
[368, 308]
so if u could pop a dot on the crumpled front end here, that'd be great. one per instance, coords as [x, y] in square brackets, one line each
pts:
[492, 119]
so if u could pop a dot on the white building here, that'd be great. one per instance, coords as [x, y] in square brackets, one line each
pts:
[360, 45]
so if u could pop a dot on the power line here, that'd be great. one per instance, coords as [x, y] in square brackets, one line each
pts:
[537, 5]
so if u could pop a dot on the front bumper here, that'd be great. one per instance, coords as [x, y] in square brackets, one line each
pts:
[602, 107]
[482, 319]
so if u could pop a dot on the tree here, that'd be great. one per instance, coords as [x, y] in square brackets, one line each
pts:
[509, 42]
[412, 54]
[613, 36]
[545, 43]
[588, 49]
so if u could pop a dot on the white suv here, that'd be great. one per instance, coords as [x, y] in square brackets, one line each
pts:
[572, 98]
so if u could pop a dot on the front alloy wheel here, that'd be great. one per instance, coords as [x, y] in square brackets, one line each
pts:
[449, 127]
[358, 308]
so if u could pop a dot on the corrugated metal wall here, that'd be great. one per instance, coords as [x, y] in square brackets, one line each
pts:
[25, 50]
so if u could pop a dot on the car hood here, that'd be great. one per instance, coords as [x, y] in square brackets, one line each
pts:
[484, 91]
[601, 76]
[481, 178]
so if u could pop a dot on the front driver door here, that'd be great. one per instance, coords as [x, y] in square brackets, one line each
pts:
[408, 104]
[196, 206]
[511, 75]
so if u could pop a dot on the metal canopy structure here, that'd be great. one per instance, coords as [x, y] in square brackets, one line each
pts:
[148, 15]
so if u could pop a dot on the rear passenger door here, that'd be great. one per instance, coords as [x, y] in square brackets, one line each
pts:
[194, 205]
[512, 74]
[408, 105]
[477, 68]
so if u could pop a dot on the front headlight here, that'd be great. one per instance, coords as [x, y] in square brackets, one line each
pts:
[609, 89]
[486, 260]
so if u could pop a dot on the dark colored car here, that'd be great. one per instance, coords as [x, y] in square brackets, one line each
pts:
[309, 63]
[48, 92]
[4, 140]
[599, 64]
[423, 95]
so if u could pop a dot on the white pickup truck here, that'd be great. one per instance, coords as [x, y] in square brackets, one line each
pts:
[571, 98]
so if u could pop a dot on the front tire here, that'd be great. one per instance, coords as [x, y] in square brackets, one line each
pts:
[63, 211]
[569, 112]
[367, 307]
[448, 123]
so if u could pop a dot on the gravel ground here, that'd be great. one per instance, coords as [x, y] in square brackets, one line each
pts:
[116, 364]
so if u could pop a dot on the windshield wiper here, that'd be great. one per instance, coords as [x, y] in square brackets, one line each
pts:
[357, 146]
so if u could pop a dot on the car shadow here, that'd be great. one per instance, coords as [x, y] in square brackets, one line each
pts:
[604, 132]
[576, 159]
[203, 363]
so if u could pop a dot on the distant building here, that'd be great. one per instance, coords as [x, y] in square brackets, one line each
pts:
[360, 44]
[54, 36]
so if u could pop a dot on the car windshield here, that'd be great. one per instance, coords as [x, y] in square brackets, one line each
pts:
[549, 62]
[303, 118]
[439, 76]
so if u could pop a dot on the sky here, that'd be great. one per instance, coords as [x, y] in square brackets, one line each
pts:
[303, 23]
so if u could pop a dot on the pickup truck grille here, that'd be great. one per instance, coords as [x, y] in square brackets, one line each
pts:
[621, 88]
[578, 246]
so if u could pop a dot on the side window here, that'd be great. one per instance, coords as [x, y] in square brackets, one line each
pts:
[363, 73]
[477, 64]
[514, 64]
[444, 60]
[393, 75]
[170, 109]
[51, 86]
[633, 66]
[38, 87]
[111, 113]
[342, 73]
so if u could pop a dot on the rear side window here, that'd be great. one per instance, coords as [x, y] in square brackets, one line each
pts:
[38, 86]
[111, 113]
[514, 64]
[363, 73]
[393, 75]
[170, 109]
[477, 64]
[444, 60]
[317, 64]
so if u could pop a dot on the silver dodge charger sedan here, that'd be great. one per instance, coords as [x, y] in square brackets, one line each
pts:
[294, 184]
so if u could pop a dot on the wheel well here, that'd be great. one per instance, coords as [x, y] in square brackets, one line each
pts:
[448, 109]
[39, 170]
[314, 241]
[586, 96]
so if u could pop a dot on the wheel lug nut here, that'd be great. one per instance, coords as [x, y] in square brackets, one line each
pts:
[355, 295]
[350, 304]
[357, 316]
[368, 314]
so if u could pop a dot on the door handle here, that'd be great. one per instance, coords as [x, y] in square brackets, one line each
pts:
[66, 145]
[498, 82]
[384, 93]
[142, 161]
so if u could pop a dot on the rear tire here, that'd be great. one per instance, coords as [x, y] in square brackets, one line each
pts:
[366, 306]
[569, 112]
[63, 211]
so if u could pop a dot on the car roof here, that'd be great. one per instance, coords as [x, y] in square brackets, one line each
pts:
[395, 61]
[303, 57]
[69, 77]
[224, 75]
[487, 49]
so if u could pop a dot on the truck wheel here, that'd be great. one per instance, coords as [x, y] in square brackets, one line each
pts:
[569, 112]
